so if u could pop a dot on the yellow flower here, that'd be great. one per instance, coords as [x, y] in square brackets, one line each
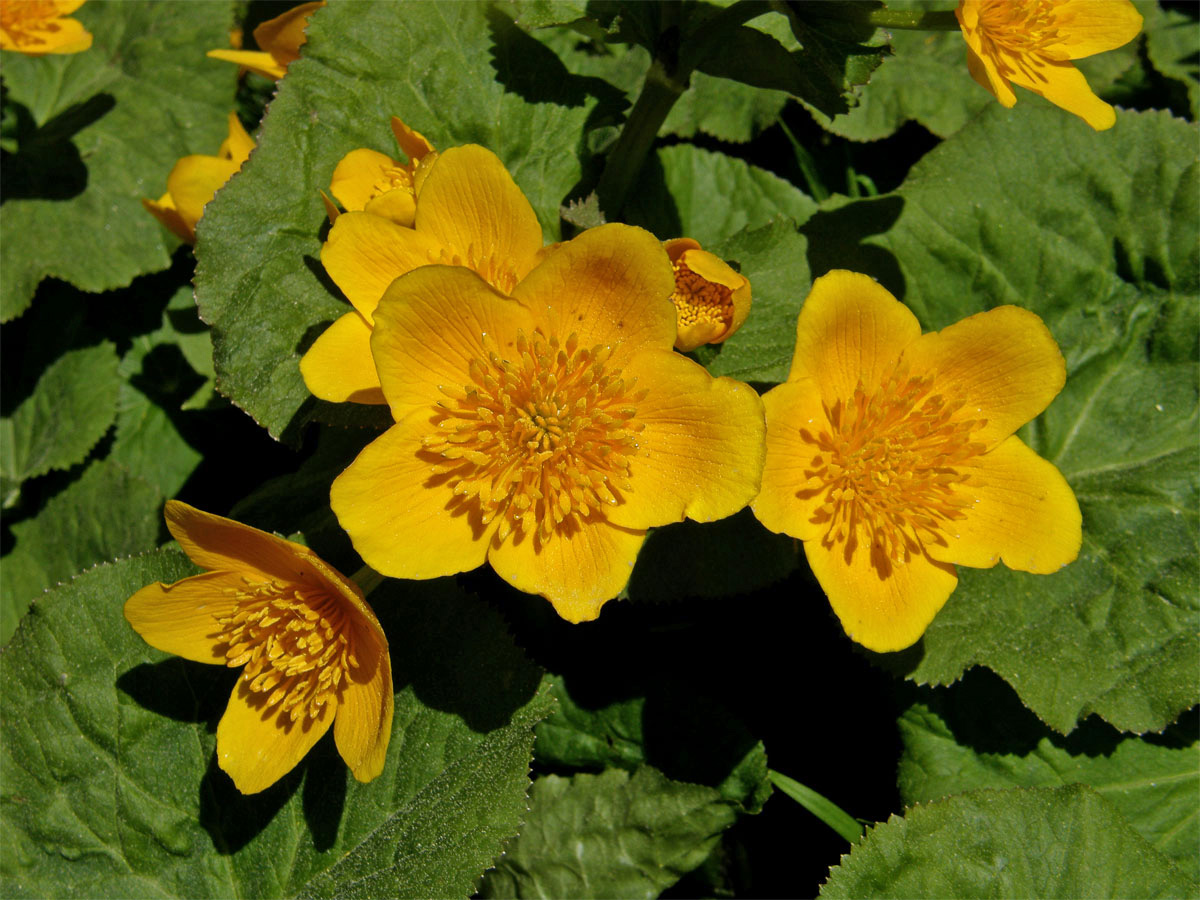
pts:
[470, 213]
[545, 431]
[711, 299]
[313, 651]
[38, 27]
[195, 179]
[369, 181]
[1032, 42]
[279, 40]
[891, 454]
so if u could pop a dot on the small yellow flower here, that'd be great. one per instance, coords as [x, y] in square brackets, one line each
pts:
[546, 431]
[711, 299]
[369, 181]
[38, 27]
[471, 213]
[891, 455]
[1031, 43]
[313, 651]
[279, 40]
[195, 179]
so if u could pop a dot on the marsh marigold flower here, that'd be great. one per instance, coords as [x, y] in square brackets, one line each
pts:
[369, 181]
[38, 27]
[469, 213]
[312, 650]
[279, 40]
[546, 431]
[1031, 43]
[891, 455]
[196, 179]
[711, 299]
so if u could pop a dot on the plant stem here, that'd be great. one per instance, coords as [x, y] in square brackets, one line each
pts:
[825, 810]
[913, 20]
[367, 579]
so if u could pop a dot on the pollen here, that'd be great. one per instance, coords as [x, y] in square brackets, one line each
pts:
[493, 267]
[392, 178]
[887, 468]
[1020, 27]
[697, 299]
[294, 642]
[23, 19]
[541, 442]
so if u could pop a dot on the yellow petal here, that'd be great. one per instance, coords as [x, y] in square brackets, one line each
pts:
[576, 572]
[1064, 86]
[363, 725]
[238, 145]
[701, 452]
[356, 175]
[256, 61]
[676, 247]
[430, 324]
[338, 367]
[788, 498]
[283, 36]
[1025, 514]
[412, 143]
[365, 253]
[1003, 362]
[404, 520]
[194, 180]
[397, 205]
[257, 745]
[850, 329]
[166, 213]
[703, 318]
[983, 70]
[181, 618]
[1095, 26]
[53, 36]
[610, 285]
[689, 337]
[883, 612]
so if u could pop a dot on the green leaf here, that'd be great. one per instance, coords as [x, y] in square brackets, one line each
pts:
[609, 835]
[977, 735]
[1034, 842]
[263, 289]
[99, 130]
[674, 196]
[1100, 239]
[111, 788]
[1173, 48]
[69, 409]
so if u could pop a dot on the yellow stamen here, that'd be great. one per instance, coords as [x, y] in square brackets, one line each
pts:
[697, 299]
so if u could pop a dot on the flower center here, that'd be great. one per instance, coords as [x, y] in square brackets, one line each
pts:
[392, 178]
[697, 299]
[1020, 27]
[22, 20]
[493, 268]
[294, 644]
[541, 442]
[886, 468]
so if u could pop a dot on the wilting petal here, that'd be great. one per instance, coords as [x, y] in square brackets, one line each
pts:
[339, 367]
[182, 618]
[789, 497]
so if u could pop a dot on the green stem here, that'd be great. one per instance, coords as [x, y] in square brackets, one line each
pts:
[808, 166]
[913, 20]
[828, 812]
[367, 579]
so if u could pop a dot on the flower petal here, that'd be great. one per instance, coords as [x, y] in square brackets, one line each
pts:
[181, 618]
[257, 61]
[784, 505]
[397, 205]
[338, 367]
[355, 176]
[364, 254]
[404, 520]
[194, 180]
[610, 285]
[257, 746]
[283, 36]
[577, 572]
[850, 329]
[884, 613]
[238, 145]
[363, 725]
[412, 143]
[1003, 362]
[984, 71]
[1065, 86]
[1087, 27]
[166, 213]
[1025, 514]
[430, 324]
[701, 452]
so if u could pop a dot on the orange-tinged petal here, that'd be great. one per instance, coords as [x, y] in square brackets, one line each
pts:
[1087, 27]
[182, 618]
[1003, 362]
[164, 210]
[712, 268]
[257, 745]
[1064, 86]
[366, 253]
[850, 329]
[338, 366]
[257, 61]
[402, 517]
[283, 36]
[430, 324]
[701, 452]
[194, 180]
[576, 572]
[238, 145]
[363, 725]
[399, 205]
[354, 179]
[609, 285]
[884, 613]
[689, 337]
[412, 143]
[1025, 514]
[470, 205]
[789, 497]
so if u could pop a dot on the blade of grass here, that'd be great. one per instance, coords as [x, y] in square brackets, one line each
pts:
[825, 810]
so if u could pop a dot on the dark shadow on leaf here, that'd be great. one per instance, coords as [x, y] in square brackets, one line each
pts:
[47, 164]
[311, 333]
[233, 819]
[650, 203]
[836, 241]
[324, 797]
[314, 265]
[180, 689]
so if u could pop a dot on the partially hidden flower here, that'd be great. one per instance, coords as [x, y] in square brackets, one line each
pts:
[313, 652]
[279, 40]
[39, 27]
[195, 179]
[369, 181]
[469, 213]
[711, 299]
[1031, 43]
[891, 455]
[546, 431]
